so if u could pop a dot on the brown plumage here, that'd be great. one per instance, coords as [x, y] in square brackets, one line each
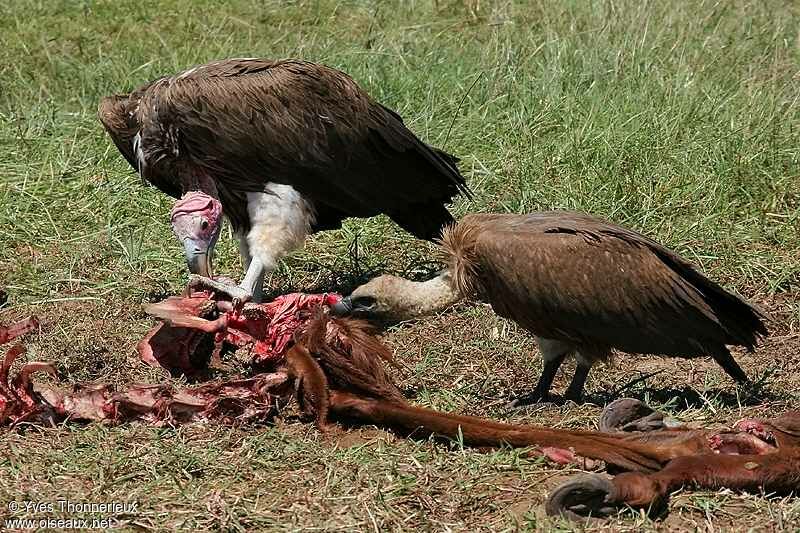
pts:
[283, 149]
[242, 123]
[583, 286]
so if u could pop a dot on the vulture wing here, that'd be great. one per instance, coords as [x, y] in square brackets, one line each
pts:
[572, 277]
[120, 117]
[248, 122]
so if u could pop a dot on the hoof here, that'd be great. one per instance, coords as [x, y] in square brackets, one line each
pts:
[629, 414]
[583, 497]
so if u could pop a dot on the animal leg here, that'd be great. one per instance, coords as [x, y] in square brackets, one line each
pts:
[596, 495]
[473, 431]
[253, 281]
[311, 385]
[575, 390]
[553, 352]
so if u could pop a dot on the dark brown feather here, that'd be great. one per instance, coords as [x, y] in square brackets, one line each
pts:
[246, 122]
[571, 277]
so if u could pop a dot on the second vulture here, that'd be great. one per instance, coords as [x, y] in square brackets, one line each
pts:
[282, 149]
[582, 286]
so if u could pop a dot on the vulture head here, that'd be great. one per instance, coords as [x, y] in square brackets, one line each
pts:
[390, 299]
[196, 221]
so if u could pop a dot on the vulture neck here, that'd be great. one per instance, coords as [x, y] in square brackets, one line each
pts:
[421, 298]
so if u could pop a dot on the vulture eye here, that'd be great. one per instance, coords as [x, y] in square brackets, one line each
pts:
[204, 225]
[364, 302]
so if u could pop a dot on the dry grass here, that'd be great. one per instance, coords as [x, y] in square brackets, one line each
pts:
[680, 120]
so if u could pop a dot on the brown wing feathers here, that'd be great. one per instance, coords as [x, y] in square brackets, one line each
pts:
[572, 277]
[247, 122]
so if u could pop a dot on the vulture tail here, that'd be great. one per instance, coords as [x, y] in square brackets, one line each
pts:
[445, 164]
[742, 322]
[451, 161]
[424, 221]
[724, 359]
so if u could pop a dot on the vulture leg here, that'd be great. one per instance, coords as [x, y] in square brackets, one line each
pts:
[553, 353]
[255, 288]
[586, 356]
[575, 390]
[253, 281]
[280, 219]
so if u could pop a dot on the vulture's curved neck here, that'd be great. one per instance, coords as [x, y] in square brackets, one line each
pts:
[421, 298]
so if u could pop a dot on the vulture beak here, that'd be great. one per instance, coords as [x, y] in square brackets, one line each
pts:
[360, 307]
[196, 222]
[343, 307]
[198, 257]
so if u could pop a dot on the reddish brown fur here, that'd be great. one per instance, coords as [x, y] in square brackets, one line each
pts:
[480, 432]
[774, 472]
[310, 383]
[777, 469]
[661, 461]
[351, 357]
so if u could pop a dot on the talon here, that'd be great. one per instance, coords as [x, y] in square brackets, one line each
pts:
[529, 399]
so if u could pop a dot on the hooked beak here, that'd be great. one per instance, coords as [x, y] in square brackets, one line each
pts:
[344, 307]
[360, 307]
[198, 257]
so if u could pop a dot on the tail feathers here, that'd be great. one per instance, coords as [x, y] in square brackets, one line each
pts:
[424, 221]
[444, 163]
[452, 161]
[724, 358]
[743, 323]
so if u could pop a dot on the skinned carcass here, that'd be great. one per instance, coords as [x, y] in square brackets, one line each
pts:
[353, 386]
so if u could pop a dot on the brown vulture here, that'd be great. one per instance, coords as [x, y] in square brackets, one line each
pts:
[282, 149]
[582, 286]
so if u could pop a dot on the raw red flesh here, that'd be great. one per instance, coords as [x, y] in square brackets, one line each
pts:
[269, 329]
[266, 329]
[248, 400]
[18, 329]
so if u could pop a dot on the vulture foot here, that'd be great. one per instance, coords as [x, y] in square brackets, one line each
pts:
[237, 295]
[629, 414]
[574, 396]
[531, 398]
[583, 497]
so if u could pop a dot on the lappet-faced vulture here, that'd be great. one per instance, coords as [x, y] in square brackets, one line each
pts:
[582, 286]
[282, 149]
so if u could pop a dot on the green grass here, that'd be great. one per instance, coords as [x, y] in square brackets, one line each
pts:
[679, 119]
